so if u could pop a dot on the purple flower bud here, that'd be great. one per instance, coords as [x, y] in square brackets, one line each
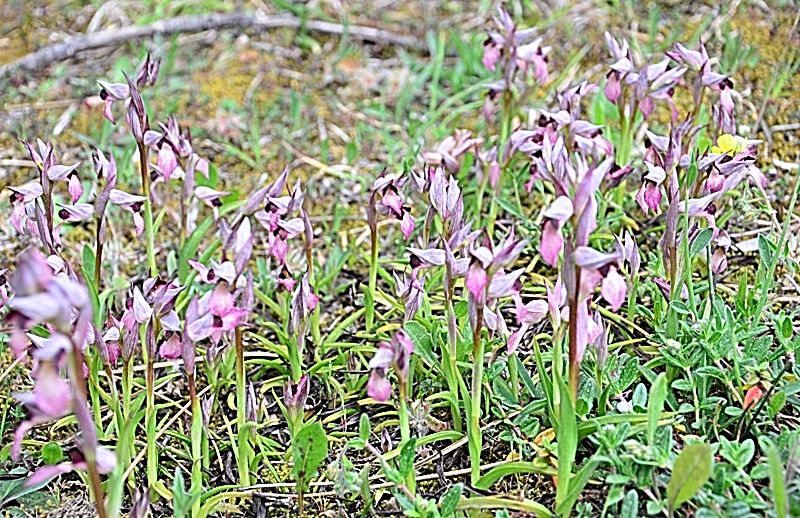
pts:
[141, 309]
[613, 88]
[171, 348]
[491, 53]
[614, 289]
[476, 281]
[167, 162]
[295, 395]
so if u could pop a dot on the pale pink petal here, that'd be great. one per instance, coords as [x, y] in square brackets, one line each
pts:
[614, 289]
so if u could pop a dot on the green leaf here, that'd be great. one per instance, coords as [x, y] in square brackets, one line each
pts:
[766, 249]
[511, 468]
[567, 437]
[309, 449]
[15, 488]
[449, 501]
[392, 474]
[87, 268]
[423, 345]
[655, 405]
[524, 375]
[701, 241]
[52, 453]
[577, 484]
[680, 307]
[692, 469]
[406, 503]
[406, 461]
[776, 403]
[364, 427]
[777, 482]
[630, 505]
[484, 503]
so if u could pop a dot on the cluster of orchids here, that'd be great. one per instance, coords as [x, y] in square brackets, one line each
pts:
[85, 339]
[521, 61]
[688, 180]
[56, 313]
[580, 163]
[50, 315]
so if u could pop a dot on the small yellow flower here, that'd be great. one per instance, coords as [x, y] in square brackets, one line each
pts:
[730, 144]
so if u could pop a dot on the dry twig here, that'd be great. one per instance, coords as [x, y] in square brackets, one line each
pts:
[198, 23]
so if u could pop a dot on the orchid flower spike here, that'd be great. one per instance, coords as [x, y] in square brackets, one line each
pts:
[395, 354]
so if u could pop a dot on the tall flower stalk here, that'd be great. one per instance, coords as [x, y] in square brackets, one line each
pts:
[485, 282]
[388, 188]
[397, 355]
[57, 300]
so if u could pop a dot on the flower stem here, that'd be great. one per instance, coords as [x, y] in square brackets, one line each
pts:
[373, 278]
[405, 430]
[98, 254]
[574, 360]
[127, 418]
[474, 433]
[89, 436]
[241, 412]
[196, 435]
[513, 374]
[148, 212]
[452, 347]
[150, 412]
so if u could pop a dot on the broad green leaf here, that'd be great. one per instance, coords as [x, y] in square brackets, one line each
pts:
[630, 505]
[14, 488]
[577, 484]
[484, 503]
[364, 427]
[423, 344]
[776, 403]
[52, 453]
[524, 375]
[449, 501]
[701, 241]
[309, 449]
[655, 405]
[406, 460]
[567, 437]
[692, 469]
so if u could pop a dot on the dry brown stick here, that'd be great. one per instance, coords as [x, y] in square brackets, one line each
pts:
[198, 23]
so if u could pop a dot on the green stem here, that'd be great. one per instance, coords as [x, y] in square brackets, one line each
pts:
[405, 431]
[148, 212]
[452, 349]
[79, 398]
[295, 366]
[513, 374]
[505, 131]
[241, 412]
[197, 442]
[98, 255]
[632, 296]
[373, 278]
[150, 413]
[574, 360]
[475, 437]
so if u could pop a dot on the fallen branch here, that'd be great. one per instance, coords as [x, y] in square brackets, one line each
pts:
[198, 23]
